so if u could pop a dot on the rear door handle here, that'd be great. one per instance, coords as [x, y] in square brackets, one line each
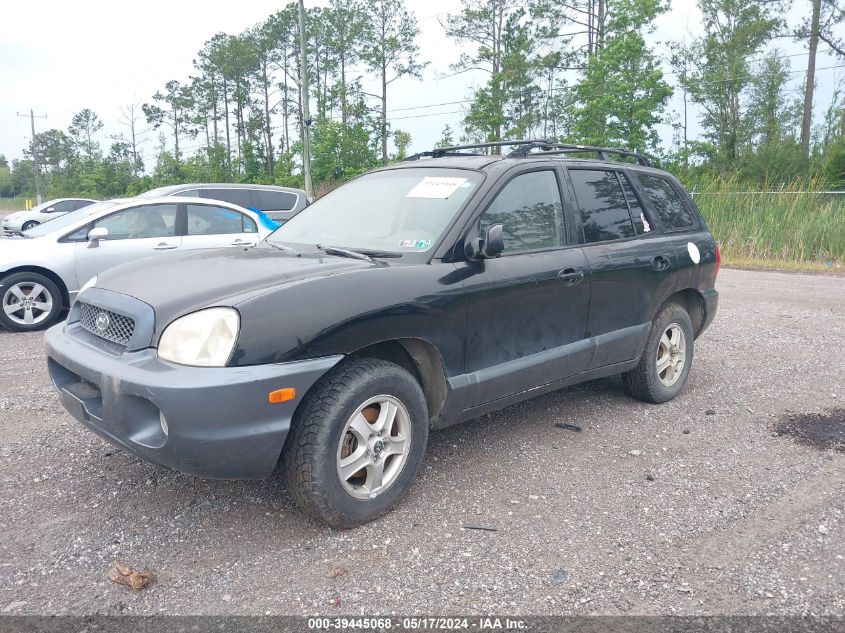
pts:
[571, 276]
[660, 262]
[165, 247]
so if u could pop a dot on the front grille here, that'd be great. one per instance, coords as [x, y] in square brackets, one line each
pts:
[106, 324]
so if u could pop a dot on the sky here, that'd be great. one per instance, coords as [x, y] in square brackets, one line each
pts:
[58, 57]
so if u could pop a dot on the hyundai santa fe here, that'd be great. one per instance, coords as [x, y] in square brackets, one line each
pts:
[415, 296]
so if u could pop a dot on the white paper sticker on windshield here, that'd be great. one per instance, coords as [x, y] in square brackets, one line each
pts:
[436, 187]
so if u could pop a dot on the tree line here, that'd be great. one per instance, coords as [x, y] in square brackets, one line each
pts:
[581, 71]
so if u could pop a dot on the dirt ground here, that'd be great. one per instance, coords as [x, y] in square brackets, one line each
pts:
[728, 500]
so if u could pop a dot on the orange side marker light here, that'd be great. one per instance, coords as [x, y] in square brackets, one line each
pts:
[281, 395]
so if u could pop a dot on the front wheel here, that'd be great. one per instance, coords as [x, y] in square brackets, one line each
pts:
[356, 443]
[28, 301]
[665, 364]
[29, 225]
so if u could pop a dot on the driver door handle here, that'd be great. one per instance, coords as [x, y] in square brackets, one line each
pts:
[164, 246]
[571, 276]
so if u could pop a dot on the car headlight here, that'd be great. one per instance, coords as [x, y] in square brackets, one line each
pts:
[88, 284]
[203, 339]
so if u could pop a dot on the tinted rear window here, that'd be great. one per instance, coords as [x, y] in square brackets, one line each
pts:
[276, 200]
[666, 202]
[241, 197]
[604, 211]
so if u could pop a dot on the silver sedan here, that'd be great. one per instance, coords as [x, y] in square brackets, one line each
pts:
[44, 212]
[43, 269]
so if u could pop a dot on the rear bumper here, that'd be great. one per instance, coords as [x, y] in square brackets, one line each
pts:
[218, 421]
[711, 304]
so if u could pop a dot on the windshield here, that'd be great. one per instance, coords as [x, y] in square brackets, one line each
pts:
[397, 211]
[68, 219]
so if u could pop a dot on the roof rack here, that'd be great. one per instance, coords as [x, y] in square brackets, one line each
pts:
[563, 148]
[457, 150]
[524, 149]
[437, 153]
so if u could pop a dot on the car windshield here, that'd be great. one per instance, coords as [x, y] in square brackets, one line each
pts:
[396, 211]
[68, 219]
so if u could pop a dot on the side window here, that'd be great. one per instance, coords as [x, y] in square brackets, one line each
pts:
[61, 207]
[276, 200]
[204, 219]
[601, 200]
[665, 200]
[151, 220]
[190, 193]
[240, 197]
[638, 215]
[530, 211]
[249, 225]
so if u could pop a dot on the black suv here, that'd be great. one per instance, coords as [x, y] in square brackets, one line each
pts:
[411, 298]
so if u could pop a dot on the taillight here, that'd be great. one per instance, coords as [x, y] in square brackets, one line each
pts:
[718, 261]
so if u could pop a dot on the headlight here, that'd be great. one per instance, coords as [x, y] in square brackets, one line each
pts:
[88, 284]
[203, 339]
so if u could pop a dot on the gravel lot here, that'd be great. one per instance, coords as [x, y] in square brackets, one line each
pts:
[698, 506]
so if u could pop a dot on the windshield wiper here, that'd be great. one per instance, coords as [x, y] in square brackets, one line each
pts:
[282, 247]
[343, 252]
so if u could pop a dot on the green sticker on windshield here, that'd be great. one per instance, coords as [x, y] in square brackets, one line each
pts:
[415, 244]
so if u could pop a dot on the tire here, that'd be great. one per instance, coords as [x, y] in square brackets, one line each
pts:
[658, 377]
[321, 439]
[17, 289]
[28, 225]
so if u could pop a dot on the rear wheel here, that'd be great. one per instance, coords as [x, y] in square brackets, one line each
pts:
[356, 443]
[665, 364]
[28, 301]
[28, 225]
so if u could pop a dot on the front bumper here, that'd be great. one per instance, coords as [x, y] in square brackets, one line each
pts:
[10, 226]
[219, 422]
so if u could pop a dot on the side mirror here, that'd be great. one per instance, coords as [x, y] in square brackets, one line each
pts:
[488, 247]
[97, 234]
[493, 243]
[49, 209]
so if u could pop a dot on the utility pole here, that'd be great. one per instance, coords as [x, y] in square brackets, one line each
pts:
[32, 118]
[306, 116]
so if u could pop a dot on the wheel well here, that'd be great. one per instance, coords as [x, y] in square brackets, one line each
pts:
[692, 301]
[422, 360]
[49, 274]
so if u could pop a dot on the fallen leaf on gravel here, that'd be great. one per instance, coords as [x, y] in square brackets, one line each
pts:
[337, 571]
[122, 575]
[335, 602]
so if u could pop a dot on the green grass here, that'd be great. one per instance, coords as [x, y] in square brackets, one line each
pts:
[14, 204]
[799, 224]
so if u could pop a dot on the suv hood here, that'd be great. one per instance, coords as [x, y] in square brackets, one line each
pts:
[178, 283]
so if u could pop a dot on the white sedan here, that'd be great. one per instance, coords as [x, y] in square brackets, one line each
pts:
[43, 269]
[50, 210]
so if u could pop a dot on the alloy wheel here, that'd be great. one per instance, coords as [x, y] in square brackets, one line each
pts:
[374, 447]
[671, 355]
[27, 303]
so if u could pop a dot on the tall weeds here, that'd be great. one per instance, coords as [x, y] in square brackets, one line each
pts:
[798, 222]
